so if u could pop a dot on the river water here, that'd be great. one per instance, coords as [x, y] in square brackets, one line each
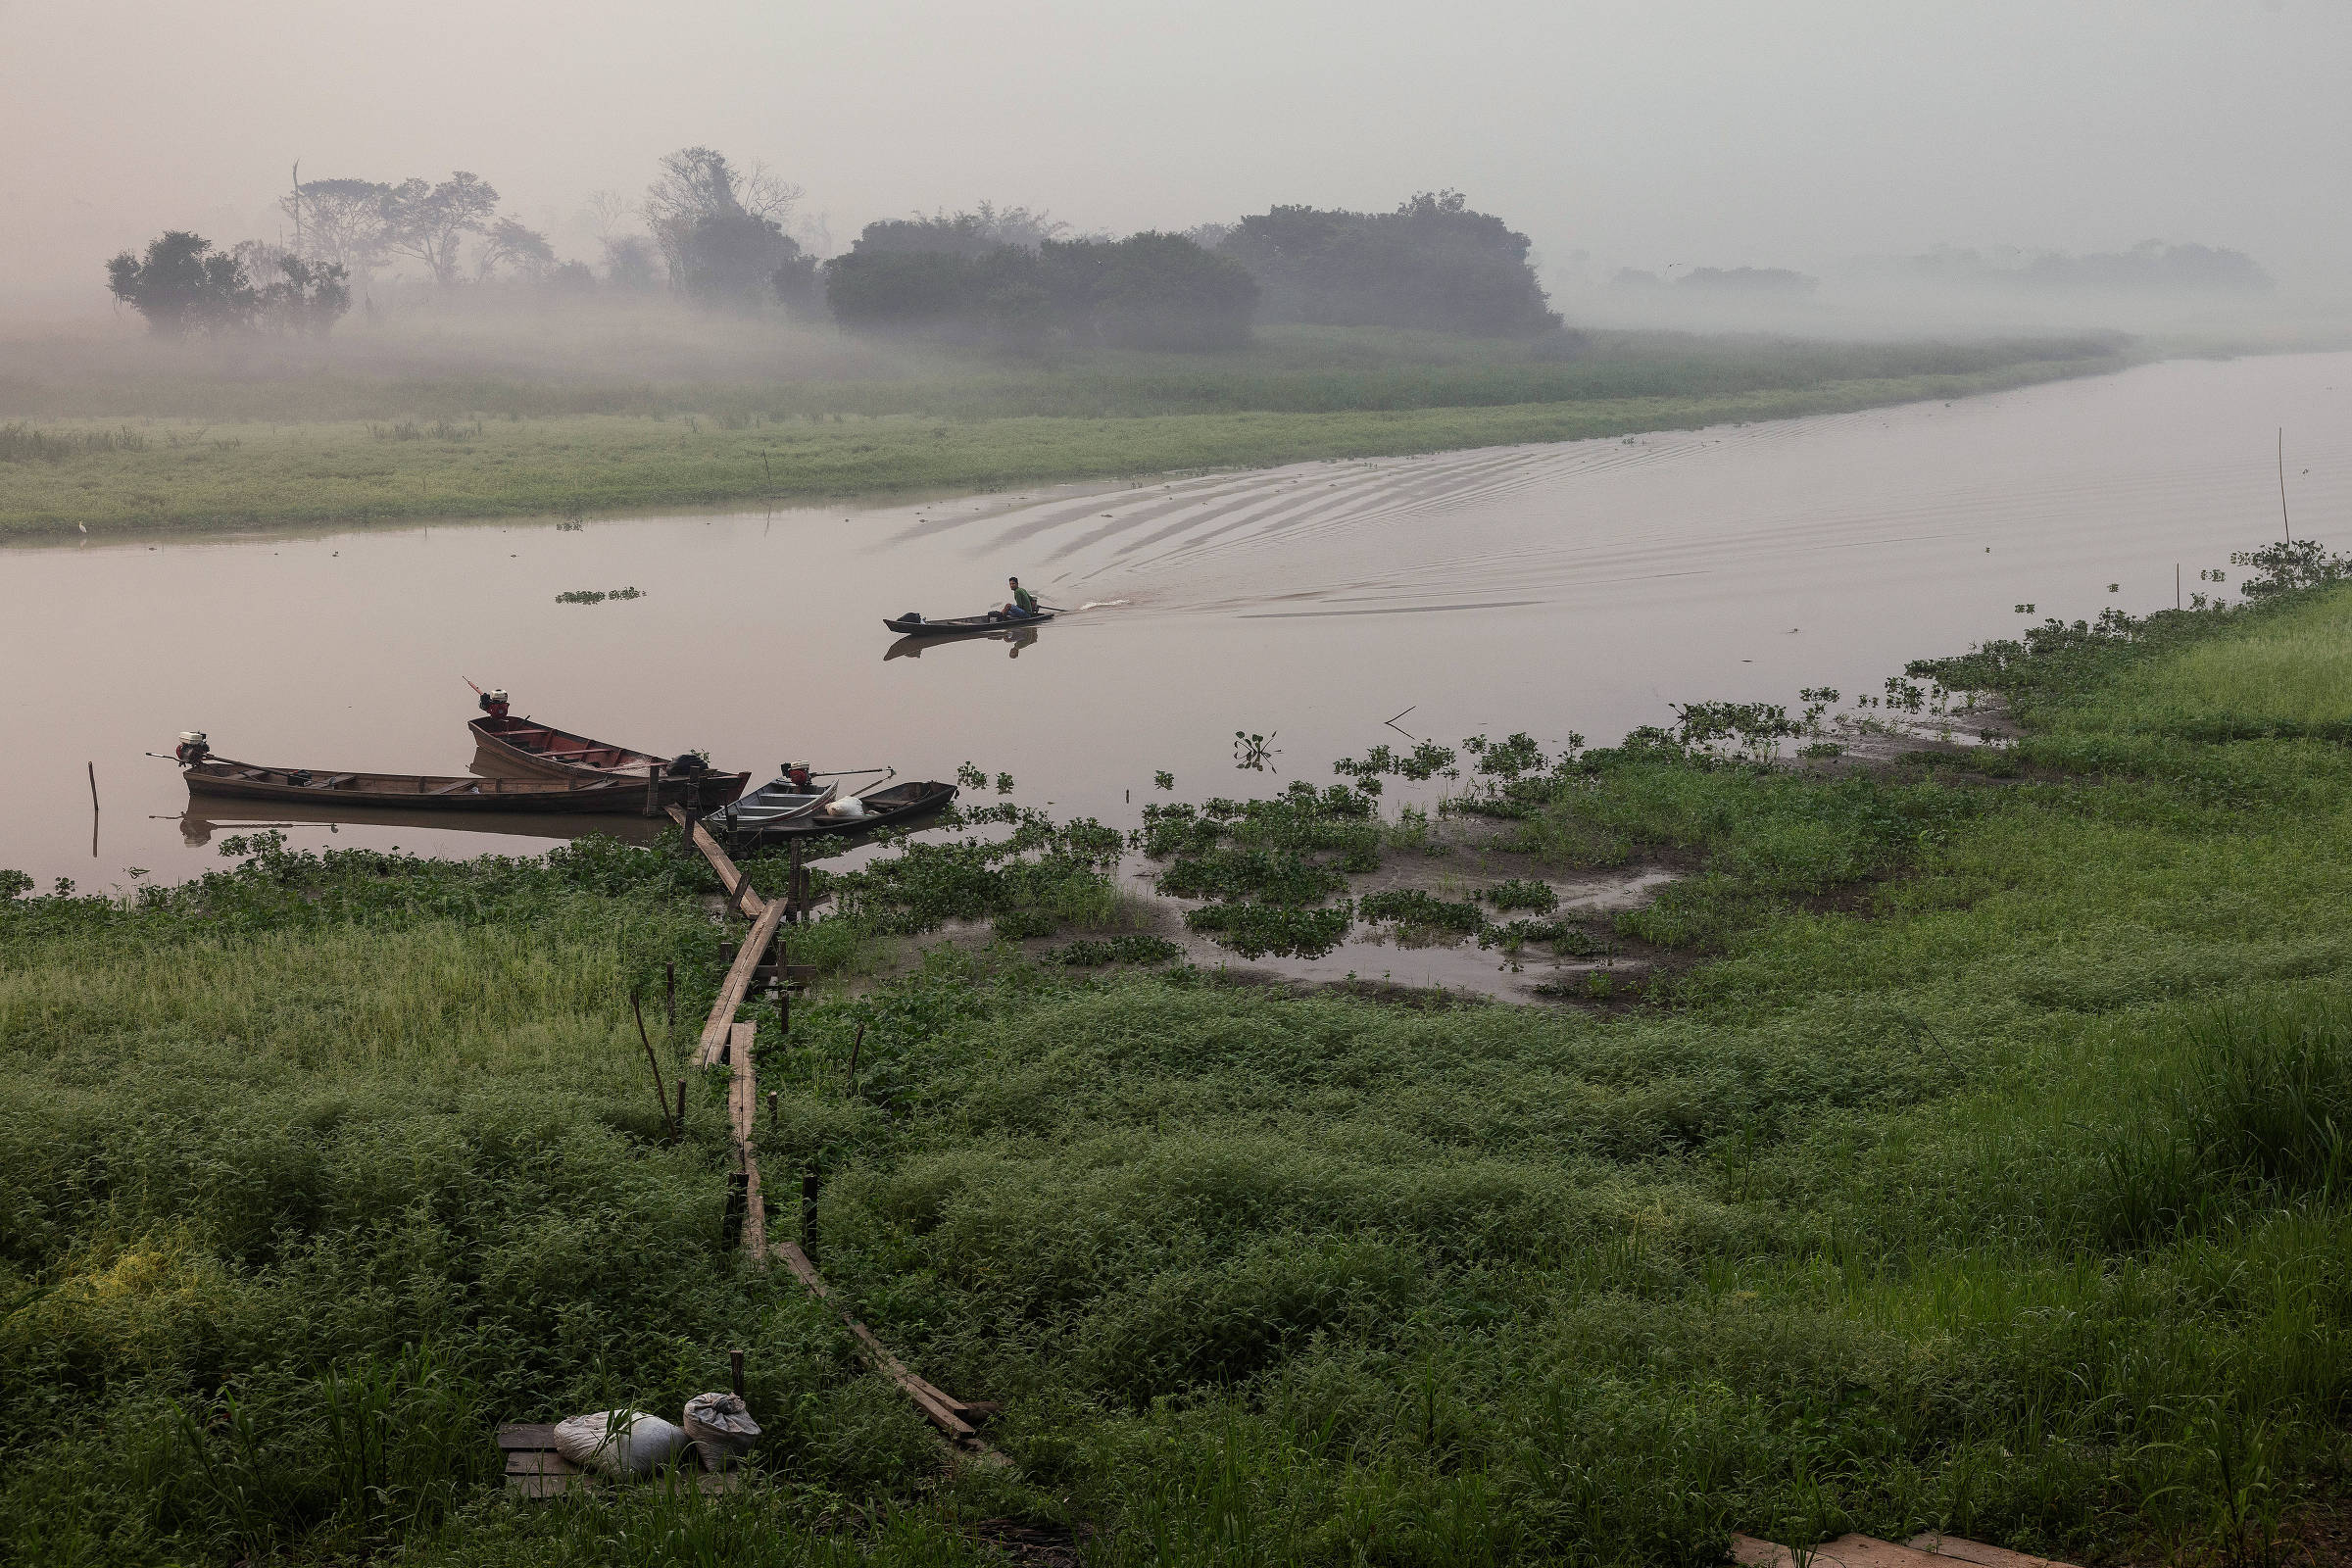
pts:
[1574, 587]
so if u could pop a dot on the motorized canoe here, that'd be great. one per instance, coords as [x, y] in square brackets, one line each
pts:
[412, 792]
[776, 802]
[914, 625]
[888, 806]
[541, 751]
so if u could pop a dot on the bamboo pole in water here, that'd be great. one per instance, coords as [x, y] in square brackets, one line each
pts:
[2283, 522]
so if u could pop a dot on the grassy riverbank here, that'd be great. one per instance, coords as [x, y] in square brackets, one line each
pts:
[154, 439]
[1985, 1171]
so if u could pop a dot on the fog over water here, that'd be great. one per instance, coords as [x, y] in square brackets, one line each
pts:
[1661, 136]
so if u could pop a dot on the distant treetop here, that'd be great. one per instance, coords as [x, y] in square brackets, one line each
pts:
[2150, 267]
[1432, 263]
[971, 233]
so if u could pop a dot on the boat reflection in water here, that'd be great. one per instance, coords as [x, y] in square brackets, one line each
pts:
[911, 646]
[204, 818]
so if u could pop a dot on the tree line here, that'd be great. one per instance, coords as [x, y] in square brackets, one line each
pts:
[716, 233]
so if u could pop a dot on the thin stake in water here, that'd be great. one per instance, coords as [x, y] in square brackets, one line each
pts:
[2283, 509]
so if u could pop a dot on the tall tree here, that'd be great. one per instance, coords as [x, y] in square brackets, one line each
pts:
[183, 285]
[508, 243]
[340, 221]
[429, 223]
[721, 228]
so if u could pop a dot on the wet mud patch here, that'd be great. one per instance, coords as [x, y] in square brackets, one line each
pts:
[1401, 962]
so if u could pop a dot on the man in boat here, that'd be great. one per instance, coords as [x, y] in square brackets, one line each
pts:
[1024, 603]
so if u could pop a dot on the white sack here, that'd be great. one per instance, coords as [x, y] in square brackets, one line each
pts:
[618, 1442]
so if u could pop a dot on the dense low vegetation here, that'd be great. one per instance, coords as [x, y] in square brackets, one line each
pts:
[406, 424]
[1984, 1170]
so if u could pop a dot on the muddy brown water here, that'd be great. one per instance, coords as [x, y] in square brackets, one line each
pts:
[1574, 587]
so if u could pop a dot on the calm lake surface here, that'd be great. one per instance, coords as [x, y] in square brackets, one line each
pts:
[1578, 587]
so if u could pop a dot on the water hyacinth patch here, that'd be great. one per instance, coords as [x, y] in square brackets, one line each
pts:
[1410, 907]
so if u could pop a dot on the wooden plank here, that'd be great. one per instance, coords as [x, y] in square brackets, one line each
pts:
[742, 1112]
[539, 1462]
[938, 1408]
[1978, 1552]
[740, 892]
[738, 982]
[1855, 1550]
[528, 1434]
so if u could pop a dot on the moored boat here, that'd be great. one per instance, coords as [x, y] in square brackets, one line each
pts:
[227, 777]
[528, 747]
[776, 802]
[888, 806]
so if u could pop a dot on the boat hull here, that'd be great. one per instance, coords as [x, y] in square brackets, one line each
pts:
[533, 749]
[889, 808]
[964, 625]
[226, 780]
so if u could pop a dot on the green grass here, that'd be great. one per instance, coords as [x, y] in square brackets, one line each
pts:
[1986, 1172]
[2291, 671]
[165, 441]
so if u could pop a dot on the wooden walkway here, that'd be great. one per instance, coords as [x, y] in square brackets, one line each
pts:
[724, 1039]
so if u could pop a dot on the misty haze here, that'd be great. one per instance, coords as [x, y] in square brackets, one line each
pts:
[1501, 786]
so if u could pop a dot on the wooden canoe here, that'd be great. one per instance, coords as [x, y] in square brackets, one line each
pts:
[962, 626]
[884, 808]
[534, 749]
[412, 792]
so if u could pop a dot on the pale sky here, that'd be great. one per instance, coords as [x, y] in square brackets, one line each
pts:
[1647, 132]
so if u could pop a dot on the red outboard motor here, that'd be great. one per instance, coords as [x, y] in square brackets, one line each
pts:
[797, 772]
[191, 748]
[493, 701]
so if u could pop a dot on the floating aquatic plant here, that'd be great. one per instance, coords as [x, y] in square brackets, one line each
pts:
[589, 596]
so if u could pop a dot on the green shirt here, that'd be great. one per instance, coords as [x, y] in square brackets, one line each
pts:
[1024, 601]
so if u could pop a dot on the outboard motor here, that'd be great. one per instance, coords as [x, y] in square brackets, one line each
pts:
[797, 772]
[191, 748]
[493, 701]
[686, 765]
[912, 617]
